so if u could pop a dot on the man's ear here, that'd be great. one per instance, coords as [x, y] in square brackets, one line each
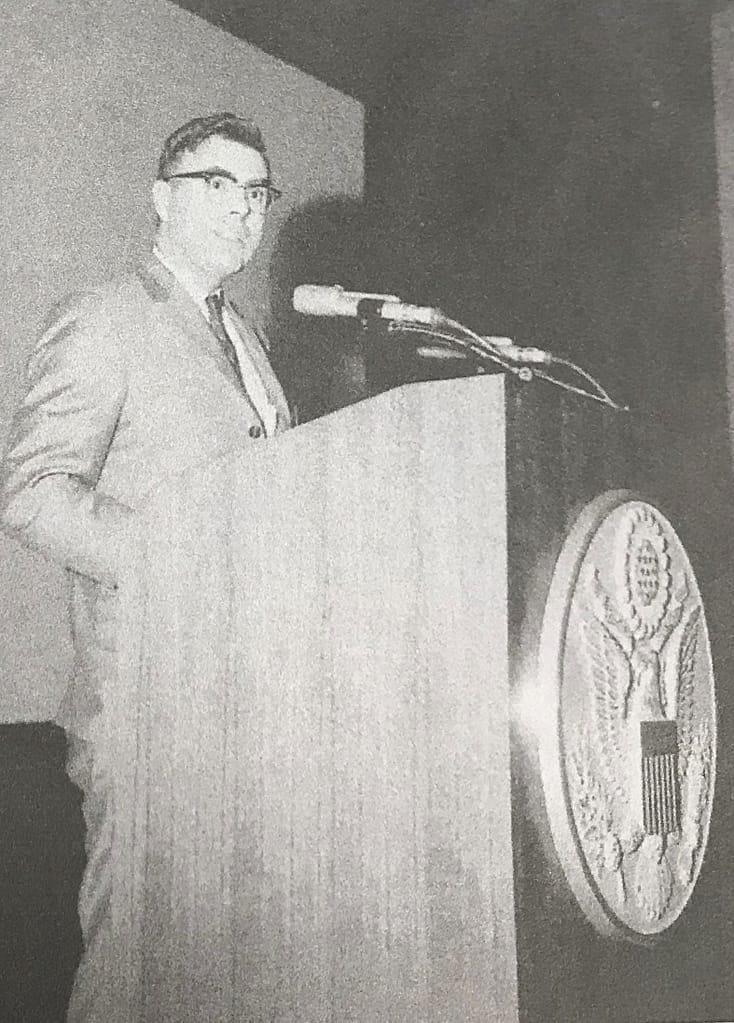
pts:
[161, 199]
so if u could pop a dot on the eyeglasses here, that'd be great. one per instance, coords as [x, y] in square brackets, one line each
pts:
[224, 187]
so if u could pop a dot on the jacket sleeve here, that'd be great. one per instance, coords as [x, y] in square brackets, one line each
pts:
[59, 441]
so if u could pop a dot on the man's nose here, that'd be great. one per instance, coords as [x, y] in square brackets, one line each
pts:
[241, 205]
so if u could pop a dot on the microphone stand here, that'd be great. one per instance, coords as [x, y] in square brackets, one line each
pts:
[524, 363]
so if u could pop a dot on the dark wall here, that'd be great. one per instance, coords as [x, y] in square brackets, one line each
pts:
[41, 862]
[547, 170]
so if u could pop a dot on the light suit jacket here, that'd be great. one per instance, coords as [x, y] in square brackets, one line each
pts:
[127, 385]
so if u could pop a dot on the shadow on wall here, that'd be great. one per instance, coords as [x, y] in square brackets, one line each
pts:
[325, 363]
[320, 360]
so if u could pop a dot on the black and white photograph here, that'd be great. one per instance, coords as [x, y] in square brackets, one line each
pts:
[367, 511]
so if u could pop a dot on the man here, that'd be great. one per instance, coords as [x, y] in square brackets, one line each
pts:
[132, 382]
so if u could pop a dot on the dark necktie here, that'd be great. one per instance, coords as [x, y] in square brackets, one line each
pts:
[215, 305]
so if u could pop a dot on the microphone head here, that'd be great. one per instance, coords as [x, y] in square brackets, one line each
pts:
[317, 299]
[332, 300]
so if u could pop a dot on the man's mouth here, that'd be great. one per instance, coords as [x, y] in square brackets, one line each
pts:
[234, 237]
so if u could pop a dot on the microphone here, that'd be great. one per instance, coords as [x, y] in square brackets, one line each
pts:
[506, 347]
[333, 300]
[500, 346]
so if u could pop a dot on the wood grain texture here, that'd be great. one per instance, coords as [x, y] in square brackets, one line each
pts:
[313, 807]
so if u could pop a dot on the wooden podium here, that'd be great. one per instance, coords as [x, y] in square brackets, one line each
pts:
[313, 722]
[313, 807]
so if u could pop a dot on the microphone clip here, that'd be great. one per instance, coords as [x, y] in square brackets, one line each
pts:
[369, 311]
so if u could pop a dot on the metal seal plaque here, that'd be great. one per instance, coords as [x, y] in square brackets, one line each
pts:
[628, 754]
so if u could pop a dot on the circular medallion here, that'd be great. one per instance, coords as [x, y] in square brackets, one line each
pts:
[628, 752]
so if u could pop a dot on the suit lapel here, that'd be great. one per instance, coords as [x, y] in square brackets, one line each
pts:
[182, 312]
[165, 290]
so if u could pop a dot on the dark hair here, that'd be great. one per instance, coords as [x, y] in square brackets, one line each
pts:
[190, 135]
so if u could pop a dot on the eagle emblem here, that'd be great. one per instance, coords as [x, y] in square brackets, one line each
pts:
[636, 724]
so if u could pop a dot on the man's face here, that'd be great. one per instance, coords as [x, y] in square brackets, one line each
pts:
[213, 231]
